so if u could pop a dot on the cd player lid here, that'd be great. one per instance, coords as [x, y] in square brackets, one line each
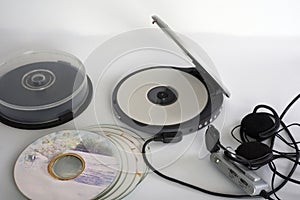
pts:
[200, 66]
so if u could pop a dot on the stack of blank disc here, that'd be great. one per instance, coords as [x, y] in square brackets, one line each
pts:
[134, 169]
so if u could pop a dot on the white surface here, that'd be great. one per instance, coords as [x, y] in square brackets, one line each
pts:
[254, 44]
[133, 100]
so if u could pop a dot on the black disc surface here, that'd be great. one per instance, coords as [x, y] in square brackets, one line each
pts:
[17, 87]
[61, 119]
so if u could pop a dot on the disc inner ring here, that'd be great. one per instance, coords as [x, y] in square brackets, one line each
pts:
[66, 166]
[162, 95]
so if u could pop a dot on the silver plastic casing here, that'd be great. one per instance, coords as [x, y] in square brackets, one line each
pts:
[244, 178]
[196, 60]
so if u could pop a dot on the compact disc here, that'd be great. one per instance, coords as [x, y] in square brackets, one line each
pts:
[161, 96]
[71, 164]
[134, 169]
[42, 89]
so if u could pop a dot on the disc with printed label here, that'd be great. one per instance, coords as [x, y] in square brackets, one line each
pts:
[71, 164]
[42, 89]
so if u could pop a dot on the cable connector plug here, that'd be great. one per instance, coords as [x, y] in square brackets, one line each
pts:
[265, 195]
[168, 137]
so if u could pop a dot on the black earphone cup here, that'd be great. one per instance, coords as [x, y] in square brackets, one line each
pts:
[255, 152]
[254, 124]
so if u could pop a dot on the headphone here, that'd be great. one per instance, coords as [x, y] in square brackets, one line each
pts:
[255, 128]
[252, 153]
[259, 125]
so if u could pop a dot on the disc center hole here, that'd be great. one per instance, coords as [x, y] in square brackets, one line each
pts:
[162, 95]
[66, 166]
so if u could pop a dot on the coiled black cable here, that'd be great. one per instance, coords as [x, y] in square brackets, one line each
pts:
[267, 195]
[179, 181]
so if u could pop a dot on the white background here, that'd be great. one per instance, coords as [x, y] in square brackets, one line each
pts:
[254, 44]
[44, 23]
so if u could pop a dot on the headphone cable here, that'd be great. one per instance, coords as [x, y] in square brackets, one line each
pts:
[179, 181]
[176, 137]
